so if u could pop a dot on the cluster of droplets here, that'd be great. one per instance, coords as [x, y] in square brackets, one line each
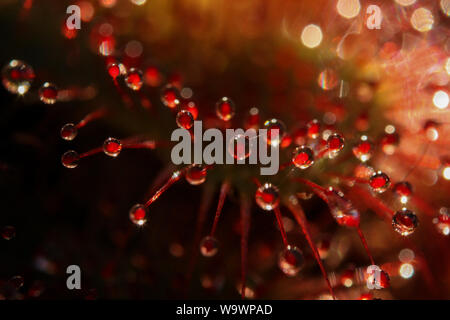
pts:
[404, 221]
[18, 77]
[314, 143]
[111, 147]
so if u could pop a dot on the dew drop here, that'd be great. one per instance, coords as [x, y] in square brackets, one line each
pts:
[313, 129]
[225, 109]
[335, 143]
[138, 214]
[290, 260]
[363, 150]
[170, 96]
[112, 147]
[267, 197]
[196, 174]
[48, 93]
[209, 246]
[113, 70]
[17, 77]
[303, 157]
[184, 119]
[405, 222]
[239, 147]
[276, 130]
[69, 131]
[70, 159]
[134, 79]
[379, 182]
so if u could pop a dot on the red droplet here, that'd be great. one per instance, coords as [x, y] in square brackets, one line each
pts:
[303, 157]
[114, 70]
[342, 209]
[335, 142]
[379, 182]
[196, 174]
[313, 129]
[405, 222]
[69, 131]
[209, 246]
[70, 159]
[267, 197]
[48, 93]
[290, 261]
[112, 147]
[134, 79]
[185, 119]
[170, 96]
[138, 214]
[225, 109]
